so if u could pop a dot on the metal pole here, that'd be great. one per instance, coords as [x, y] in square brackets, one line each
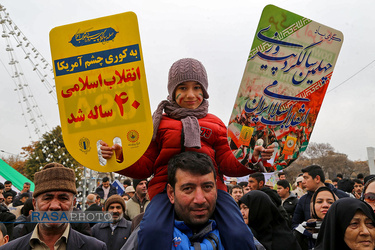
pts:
[90, 182]
[84, 189]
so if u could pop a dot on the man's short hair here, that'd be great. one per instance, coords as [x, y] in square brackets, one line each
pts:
[368, 177]
[235, 186]
[25, 210]
[360, 176]
[7, 182]
[105, 179]
[335, 179]
[27, 183]
[192, 162]
[243, 184]
[7, 194]
[259, 177]
[314, 171]
[127, 182]
[345, 185]
[3, 229]
[339, 176]
[283, 183]
[2, 186]
[24, 195]
[358, 181]
[280, 174]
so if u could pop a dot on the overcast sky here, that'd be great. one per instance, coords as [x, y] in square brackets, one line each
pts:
[219, 34]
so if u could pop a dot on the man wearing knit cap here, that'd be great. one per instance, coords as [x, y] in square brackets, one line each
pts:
[116, 233]
[138, 203]
[55, 190]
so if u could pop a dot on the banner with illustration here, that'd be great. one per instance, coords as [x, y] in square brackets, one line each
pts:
[101, 89]
[286, 77]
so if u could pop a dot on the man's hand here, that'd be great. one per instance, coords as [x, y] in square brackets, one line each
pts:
[357, 195]
[107, 151]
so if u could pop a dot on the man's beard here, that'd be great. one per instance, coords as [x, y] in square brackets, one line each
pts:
[120, 216]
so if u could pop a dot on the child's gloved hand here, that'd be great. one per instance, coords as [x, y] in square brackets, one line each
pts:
[265, 153]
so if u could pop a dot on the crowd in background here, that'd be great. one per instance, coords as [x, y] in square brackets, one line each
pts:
[297, 212]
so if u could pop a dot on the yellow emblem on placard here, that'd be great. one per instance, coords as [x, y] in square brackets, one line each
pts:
[245, 135]
[289, 145]
[101, 88]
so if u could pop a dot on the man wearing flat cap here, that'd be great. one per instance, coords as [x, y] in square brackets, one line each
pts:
[55, 190]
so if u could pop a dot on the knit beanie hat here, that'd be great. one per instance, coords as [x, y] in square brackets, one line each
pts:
[137, 181]
[185, 70]
[114, 199]
[54, 177]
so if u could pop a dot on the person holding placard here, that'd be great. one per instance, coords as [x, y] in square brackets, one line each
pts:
[187, 126]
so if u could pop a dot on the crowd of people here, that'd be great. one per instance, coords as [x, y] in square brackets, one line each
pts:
[186, 204]
[304, 205]
[318, 215]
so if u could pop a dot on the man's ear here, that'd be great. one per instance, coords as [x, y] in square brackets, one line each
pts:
[5, 239]
[170, 193]
[261, 184]
[34, 203]
[317, 179]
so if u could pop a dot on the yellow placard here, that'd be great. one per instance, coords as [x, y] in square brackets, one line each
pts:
[101, 89]
[290, 144]
[245, 135]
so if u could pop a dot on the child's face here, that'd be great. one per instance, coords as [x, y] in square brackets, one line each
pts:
[189, 95]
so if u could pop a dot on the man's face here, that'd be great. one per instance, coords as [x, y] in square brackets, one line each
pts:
[246, 190]
[283, 192]
[117, 211]
[26, 187]
[8, 200]
[301, 184]
[54, 201]
[106, 184]
[97, 200]
[8, 187]
[253, 184]
[141, 189]
[194, 197]
[237, 193]
[282, 177]
[358, 187]
[311, 184]
[23, 199]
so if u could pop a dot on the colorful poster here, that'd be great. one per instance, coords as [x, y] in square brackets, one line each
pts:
[101, 89]
[286, 77]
